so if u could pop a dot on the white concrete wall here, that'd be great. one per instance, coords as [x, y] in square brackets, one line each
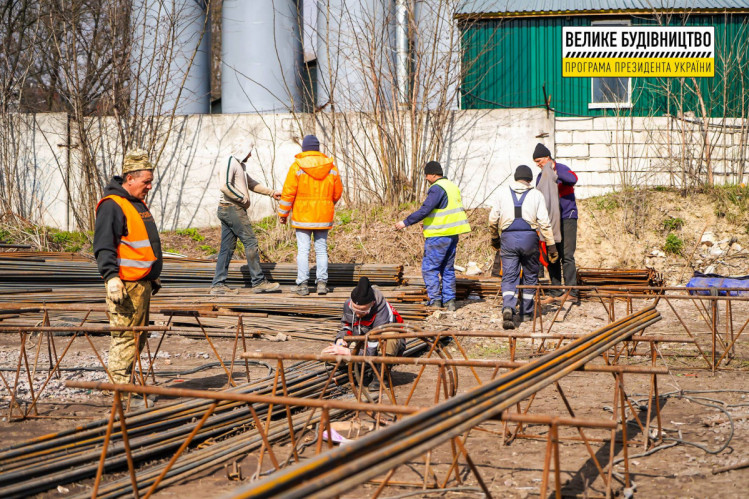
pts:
[610, 152]
[482, 150]
[34, 154]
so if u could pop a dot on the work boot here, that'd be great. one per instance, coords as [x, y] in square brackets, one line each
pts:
[374, 385]
[322, 287]
[435, 304]
[266, 287]
[507, 322]
[223, 289]
[450, 305]
[301, 289]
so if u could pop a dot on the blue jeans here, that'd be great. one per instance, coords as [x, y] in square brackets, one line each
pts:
[236, 224]
[439, 259]
[303, 242]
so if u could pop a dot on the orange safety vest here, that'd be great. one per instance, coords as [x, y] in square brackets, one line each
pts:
[135, 255]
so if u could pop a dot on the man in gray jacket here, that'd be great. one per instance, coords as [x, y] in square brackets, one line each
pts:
[235, 186]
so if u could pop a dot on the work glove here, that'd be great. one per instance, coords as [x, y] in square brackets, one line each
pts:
[553, 253]
[116, 291]
[155, 286]
[496, 243]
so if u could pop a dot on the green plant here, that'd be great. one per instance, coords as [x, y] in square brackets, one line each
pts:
[192, 234]
[673, 223]
[5, 236]
[492, 351]
[344, 216]
[208, 249]
[606, 203]
[69, 241]
[411, 205]
[267, 223]
[673, 245]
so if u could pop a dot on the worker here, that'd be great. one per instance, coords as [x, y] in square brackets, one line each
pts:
[310, 192]
[128, 254]
[566, 180]
[517, 213]
[235, 185]
[444, 219]
[365, 310]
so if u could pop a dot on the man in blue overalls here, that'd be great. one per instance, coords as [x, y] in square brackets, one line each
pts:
[518, 214]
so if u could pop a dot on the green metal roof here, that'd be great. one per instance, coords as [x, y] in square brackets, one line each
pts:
[568, 7]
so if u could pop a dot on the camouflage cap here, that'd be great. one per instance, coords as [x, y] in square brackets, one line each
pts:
[135, 160]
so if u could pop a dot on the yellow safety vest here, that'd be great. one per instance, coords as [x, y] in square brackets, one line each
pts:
[450, 220]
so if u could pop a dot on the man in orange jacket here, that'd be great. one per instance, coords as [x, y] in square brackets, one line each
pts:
[310, 192]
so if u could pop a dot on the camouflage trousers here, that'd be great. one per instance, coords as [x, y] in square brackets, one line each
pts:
[132, 312]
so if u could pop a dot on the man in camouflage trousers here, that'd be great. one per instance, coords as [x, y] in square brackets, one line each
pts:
[128, 253]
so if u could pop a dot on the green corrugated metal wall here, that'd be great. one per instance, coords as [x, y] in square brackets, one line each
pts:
[507, 62]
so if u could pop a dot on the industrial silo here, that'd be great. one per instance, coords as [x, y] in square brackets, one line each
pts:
[355, 57]
[436, 56]
[170, 57]
[261, 56]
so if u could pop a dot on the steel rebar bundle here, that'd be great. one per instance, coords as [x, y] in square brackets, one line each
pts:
[71, 455]
[46, 272]
[636, 280]
[341, 469]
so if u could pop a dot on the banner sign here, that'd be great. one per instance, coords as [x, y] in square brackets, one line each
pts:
[638, 51]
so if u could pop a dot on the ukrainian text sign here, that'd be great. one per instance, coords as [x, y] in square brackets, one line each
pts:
[638, 51]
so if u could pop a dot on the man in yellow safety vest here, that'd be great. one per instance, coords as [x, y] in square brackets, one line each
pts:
[444, 219]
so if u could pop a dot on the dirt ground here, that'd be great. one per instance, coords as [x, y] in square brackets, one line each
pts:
[510, 469]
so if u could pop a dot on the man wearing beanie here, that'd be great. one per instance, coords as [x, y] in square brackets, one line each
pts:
[518, 212]
[365, 310]
[444, 219]
[310, 192]
[236, 185]
[127, 248]
[566, 180]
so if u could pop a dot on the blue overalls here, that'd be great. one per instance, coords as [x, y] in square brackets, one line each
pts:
[519, 249]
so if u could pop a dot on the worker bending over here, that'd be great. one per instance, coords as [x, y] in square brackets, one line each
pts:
[365, 310]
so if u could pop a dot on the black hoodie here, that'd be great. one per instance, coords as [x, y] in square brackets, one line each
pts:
[111, 226]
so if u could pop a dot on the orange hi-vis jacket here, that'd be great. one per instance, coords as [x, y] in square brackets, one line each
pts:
[310, 192]
[135, 255]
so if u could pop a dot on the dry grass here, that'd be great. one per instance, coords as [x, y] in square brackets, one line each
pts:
[620, 229]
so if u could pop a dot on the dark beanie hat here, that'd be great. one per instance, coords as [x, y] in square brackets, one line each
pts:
[310, 143]
[523, 172]
[541, 151]
[363, 292]
[433, 168]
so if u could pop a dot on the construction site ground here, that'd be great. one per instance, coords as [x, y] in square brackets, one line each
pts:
[512, 470]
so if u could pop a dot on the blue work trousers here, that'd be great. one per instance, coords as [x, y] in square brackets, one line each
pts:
[439, 260]
[519, 250]
[235, 224]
